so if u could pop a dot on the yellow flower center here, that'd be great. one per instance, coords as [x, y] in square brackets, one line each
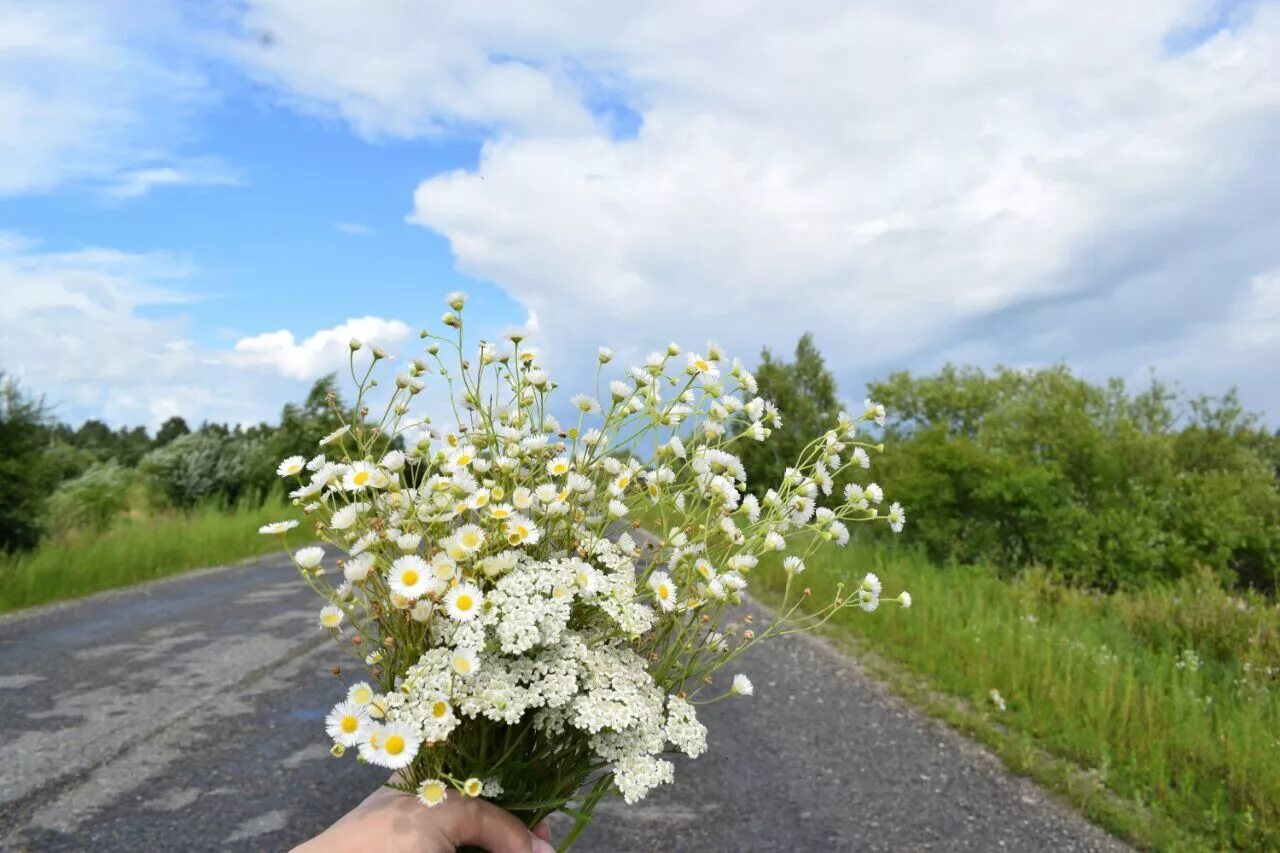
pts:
[465, 602]
[395, 745]
[663, 592]
[439, 709]
[471, 539]
[702, 365]
[350, 724]
[409, 578]
[481, 499]
[361, 478]
[463, 459]
[462, 665]
[433, 793]
[362, 697]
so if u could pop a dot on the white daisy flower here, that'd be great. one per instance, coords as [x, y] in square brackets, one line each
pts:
[793, 565]
[464, 661]
[558, 467]
[345, 723]
[742, 686]
[897, 517]
[292, 465]
[357, 568]
[410, 576]
[904, 598]
[331, 616]
[359, 477]
[361, 694]
[664, 592]
[469, 538]
[309, 558]
[393, 461]
[432, 792]
[871, 584]
[398, 745]
[277, 528]
[472, 787]
[605, 355]
[335, 435]
[521, 531]
[464, 601]
[874, 493]
[347, 515]
[617, 508]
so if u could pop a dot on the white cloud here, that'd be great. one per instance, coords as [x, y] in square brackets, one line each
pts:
[139, 182]
[906, 181]
[100, 93]
[105, 334]
[322, 352]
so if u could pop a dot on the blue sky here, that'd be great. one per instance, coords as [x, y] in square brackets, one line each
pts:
[199, 207]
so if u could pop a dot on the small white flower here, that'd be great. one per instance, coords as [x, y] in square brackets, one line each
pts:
[292, 465]
[897, 517]
[793, 565]
[469, 538]
[473, 787]
[617, 508]
[605, 355]
[360, 476]
[393, 461]
[464, 601]
[432, 792]
[742, 686]
[335, 435]
[871, 584]
[464, 661]
[309, 558]
[346, 722]
[860, 456]
[664, 592]
[904, 598]
[330, 616]
[360, 694]
[396, 747]
[410, 576]
[357, 568]
[278, 528]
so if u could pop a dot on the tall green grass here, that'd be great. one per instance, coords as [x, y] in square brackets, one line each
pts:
[135, 550]
[1154, 712]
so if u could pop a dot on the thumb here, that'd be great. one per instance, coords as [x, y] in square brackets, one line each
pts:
[478, 822]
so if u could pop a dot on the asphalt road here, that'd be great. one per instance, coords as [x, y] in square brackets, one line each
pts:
[186, 714]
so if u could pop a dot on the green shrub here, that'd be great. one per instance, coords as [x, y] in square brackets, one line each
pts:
[209, 465]
[1107, 488]
[92, 501]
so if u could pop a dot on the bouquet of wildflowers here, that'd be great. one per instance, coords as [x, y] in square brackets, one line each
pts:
[541, 606]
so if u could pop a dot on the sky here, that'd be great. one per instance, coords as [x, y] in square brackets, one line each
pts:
[198, 208]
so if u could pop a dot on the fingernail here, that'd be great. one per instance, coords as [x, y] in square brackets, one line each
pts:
[540, 846]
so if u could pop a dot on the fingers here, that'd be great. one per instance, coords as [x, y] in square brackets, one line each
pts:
[543, 831]
[475, 821]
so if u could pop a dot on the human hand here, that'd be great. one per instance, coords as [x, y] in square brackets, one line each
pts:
[389, 821]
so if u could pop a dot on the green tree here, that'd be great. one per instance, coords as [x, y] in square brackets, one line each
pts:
[1106, 487]
[24, 434]
[805, 393]
[173, 427]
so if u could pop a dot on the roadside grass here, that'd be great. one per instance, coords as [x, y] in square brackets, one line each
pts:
[1155, 713]
[138, 549]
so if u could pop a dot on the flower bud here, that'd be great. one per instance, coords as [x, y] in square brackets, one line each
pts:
[355, 344]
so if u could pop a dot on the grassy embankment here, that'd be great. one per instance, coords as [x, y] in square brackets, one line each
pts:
[1155, 712]
[137, 549]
